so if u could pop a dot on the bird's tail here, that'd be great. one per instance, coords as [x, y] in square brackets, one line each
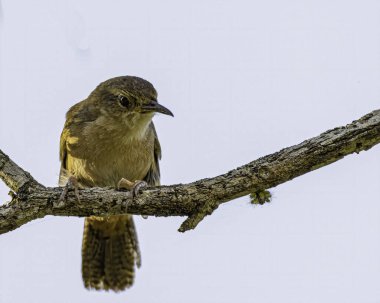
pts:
[109, 252]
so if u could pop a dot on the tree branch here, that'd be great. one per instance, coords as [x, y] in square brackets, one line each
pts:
[31, 200]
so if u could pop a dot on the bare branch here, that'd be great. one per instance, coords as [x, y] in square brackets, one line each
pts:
[195, 200]
[14, 176]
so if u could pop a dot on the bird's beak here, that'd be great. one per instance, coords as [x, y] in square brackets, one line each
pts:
[154, 106]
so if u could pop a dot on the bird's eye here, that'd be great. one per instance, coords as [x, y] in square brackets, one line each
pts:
[124, 101]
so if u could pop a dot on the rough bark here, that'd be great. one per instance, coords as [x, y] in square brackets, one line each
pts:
[31, 200]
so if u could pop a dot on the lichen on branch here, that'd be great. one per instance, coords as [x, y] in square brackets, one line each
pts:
[31, 200]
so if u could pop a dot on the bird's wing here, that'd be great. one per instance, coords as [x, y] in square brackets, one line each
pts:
[63, 173]
[153, 175]
[77, 115]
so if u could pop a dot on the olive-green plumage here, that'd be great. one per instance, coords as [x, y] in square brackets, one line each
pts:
[107, 137]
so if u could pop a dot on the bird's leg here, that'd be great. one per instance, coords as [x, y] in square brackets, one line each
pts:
[134, 187]
[72, 184]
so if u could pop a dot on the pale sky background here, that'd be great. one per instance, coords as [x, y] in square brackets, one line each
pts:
[244, 79]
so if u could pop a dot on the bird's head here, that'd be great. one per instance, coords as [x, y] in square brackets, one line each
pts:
[129, 99]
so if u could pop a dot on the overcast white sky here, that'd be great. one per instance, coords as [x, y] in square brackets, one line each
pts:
[244, 79]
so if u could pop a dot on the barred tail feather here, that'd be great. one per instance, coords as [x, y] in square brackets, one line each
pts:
[109, 252]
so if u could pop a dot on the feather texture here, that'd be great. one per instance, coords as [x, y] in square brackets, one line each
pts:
[100, 144]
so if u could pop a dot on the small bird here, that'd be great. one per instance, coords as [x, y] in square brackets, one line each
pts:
[109, 139]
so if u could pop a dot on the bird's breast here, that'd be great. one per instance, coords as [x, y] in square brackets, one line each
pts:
[108, 160]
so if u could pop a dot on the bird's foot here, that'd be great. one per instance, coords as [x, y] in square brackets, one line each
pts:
[134, 187]
[72, 184]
